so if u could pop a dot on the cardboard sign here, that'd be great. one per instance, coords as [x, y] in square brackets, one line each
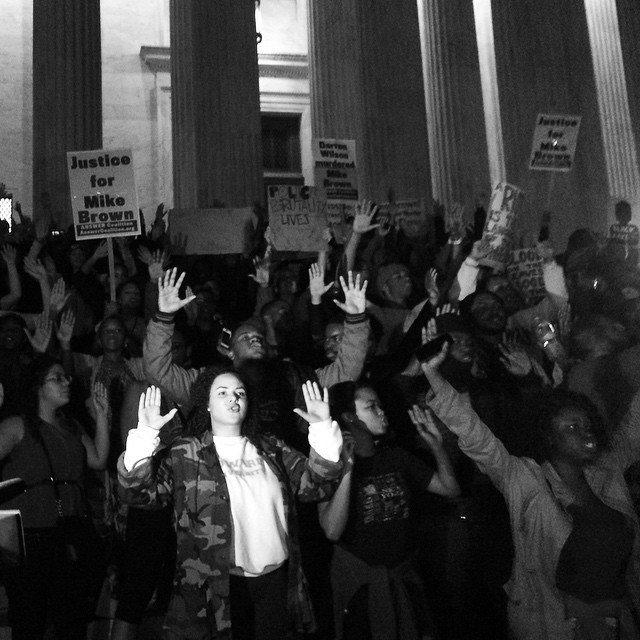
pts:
[496, 237]
[526, 275]
[212, 231]
[335, 171]
[297, 218]
[554, 142]
[103, 194]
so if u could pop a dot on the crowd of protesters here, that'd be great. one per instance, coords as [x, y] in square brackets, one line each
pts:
[385, 440]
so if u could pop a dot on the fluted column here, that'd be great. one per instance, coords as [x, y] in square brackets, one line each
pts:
[543, 65]
[613, 99]
[67, 94]
[366, 84]
[217, 145]
[453, 96]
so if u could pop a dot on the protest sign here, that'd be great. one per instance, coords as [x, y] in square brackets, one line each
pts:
[336, 176]
[103, 194]
[408, 215]
[526, 275]
[496, 237]
[297, 218]
[554, 142]
[212, 231]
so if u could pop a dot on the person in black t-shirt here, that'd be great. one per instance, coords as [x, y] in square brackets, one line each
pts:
[369, 518]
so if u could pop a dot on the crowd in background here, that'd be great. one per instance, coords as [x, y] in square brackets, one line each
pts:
[487, 481]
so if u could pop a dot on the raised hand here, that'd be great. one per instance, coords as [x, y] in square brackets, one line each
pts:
[514, 358]
[426, 426]
[100, 400]
[65, 328]
[59, 296]
[144, 255]
[431, 286]
[355, 300]
[42, 336]
[8, 253]
[446, 309]
[169, 292]
[101, 251]
[262, 267]
[35, 269]
[433, 364]
[149, 410]
[365, 211]
[317, 403]
[317, 287]
[156, 264]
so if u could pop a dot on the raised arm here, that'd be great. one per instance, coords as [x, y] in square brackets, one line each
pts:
[97, 448]
[156, 349]
[355, 341]
[15, 289]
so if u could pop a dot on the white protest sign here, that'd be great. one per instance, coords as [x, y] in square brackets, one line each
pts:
[335, 169]
[103, 194]
[496, 237]
[297, 218]
[526, 274]
[212, 231]
[554, 142]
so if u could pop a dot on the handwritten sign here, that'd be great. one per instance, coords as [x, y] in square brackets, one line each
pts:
[496, 237]
[297, 217]
[335, 169]
[103, 194]
[554, 142]
[211, 231]
[408, 215]
[526, 275]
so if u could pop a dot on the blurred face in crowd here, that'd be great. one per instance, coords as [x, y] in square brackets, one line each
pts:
[501, 287]
[11, 334]
[332, 338]
[227, 404]
[489, 313]
[248, 343]
[76, 257]
[121, 274]
[573, 438]
[461, 349]
[55, 387]
[398, 285]
[370, 412]
[129, 297]
[280, 316]
[112, 335]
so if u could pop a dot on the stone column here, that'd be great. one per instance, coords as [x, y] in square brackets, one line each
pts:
[617, 72]
[366, 84]
[217, 145]
[543, 65]
[453, 96]
[67, 95]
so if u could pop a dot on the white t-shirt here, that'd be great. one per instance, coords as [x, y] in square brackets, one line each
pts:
[257, 507]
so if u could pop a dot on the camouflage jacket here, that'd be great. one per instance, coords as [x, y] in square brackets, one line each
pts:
[191, 478]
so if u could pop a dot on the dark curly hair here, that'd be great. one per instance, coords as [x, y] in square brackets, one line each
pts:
[549, 407]
[199, 420]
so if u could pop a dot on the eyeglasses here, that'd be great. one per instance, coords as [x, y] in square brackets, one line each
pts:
[60, 378]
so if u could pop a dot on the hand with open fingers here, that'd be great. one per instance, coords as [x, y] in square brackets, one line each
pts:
[317, 403]
[355, 299]
[365, 211]
[149, 410]
[426, 426]
[430, 332]
[514, 358]
[263, 268]
[8, 253]
[434, 363]
[101, 250]
[42, 335]
[65, 327]
[431, 286]
[317, 287]
[100, 400]
[35, 269]
[169, 292]
[156, 264]
[59, 296]
[447, 308]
